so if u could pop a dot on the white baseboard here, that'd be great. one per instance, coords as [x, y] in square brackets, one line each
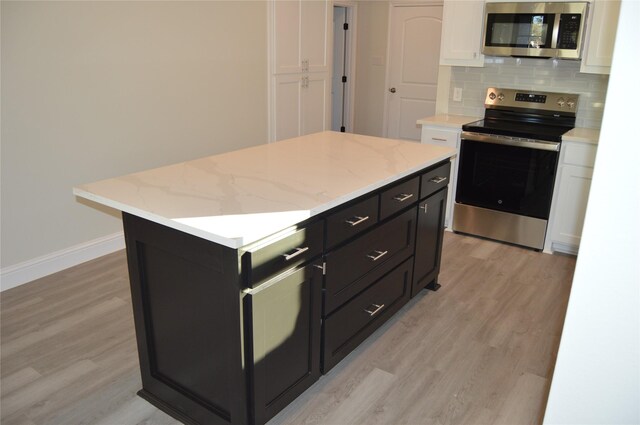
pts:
[24, 272]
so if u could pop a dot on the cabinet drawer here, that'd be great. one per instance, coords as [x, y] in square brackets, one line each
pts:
[370, 251]
[435, 179]
[270, 258]
[432, 136]
[580, 154]
[399, 197]
[356, 320]
[350, 221]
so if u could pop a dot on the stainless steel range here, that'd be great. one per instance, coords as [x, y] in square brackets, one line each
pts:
[508, 163]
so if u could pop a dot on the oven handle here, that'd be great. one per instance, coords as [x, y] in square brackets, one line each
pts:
[543, 145]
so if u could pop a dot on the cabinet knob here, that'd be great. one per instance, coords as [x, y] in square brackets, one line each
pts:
[392, 89]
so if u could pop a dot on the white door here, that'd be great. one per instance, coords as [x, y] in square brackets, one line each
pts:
[414, 54]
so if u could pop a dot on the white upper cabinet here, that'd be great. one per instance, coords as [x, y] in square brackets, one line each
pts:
[299, 67]
[300, 36]
[286, 37]
[316, 18]
[461, 43]
[600, 37]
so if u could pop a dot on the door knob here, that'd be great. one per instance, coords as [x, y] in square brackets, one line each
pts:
[392, 89]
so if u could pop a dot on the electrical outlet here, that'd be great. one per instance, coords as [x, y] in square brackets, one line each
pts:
[457, 94]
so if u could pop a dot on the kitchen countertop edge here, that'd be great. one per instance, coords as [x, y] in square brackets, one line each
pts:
[283, 220]
[582, 135]
[448, 120]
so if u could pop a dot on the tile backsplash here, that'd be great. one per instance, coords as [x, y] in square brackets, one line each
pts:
[552, 75]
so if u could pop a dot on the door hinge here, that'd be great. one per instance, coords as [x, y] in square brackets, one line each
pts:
[345, 26]
[344, 78]
[323, 267]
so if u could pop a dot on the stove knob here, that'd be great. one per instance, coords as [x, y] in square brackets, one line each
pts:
[561, 102]
[492, 95]
[571, 103]
[500, 96]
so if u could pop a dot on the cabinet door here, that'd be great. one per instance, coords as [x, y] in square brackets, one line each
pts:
[573, 193]
[314, 34]
[284, 339]
[285, 36]
[300, 35]
[316, 103]
[601, 34]
[286, 100]
[431, 214]
[461, 40]
[450, 138]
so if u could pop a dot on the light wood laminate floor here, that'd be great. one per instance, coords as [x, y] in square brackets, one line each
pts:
[481, 350]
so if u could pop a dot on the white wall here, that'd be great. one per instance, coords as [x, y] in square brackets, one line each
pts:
[92, 90]
[371, 59]
[597, 373]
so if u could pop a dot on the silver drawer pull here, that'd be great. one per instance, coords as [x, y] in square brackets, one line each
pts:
[356, 220]
[425, 208]
[377, 255]
[437, 179]
[297, 252]
[403, 197]
[377, 309]
[439, 139]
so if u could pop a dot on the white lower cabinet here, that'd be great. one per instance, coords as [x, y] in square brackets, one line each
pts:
[573, 182]
[451, 138]
[301, 104]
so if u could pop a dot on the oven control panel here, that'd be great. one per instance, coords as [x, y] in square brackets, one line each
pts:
[510, 98]
[531, 97]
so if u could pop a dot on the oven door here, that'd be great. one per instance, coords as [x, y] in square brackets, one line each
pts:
[504, 174]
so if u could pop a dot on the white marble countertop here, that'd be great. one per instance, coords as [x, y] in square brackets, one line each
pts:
[242, 196]
[583, 135]
[446, 120]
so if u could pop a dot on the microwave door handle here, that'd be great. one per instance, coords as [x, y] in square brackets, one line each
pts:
[556, 30]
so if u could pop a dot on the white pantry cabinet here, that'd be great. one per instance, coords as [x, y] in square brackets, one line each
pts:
[461, 41]
[573, 182]
[299, 105]
[600, 37]
[299, 67]
[451, 138]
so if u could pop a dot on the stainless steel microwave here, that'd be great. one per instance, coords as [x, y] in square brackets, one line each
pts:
[542, 30]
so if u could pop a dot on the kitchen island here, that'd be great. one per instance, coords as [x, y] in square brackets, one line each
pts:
[253, 272]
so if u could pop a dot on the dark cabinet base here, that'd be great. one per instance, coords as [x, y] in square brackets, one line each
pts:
[429, 234]
[187, 311]
[231, 336]
[347, 327]
[283, 340]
